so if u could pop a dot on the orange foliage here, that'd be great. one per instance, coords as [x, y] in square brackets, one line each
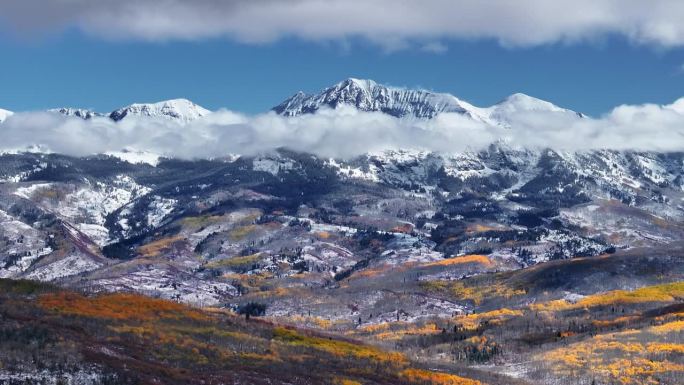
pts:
[411, 330]
[395, 330]
[658, 293]
[473, 258]
[380, 270]
[405, 228]
[436, 378]
[304, 321]
[337, 348]
[478, 294]
[117, 306]
[374, 328]
[676, 326]
[167, 334]
[345, 381]
[472, 321]
[478, 228]
[657, 347]
[619, 321]
[617, 357]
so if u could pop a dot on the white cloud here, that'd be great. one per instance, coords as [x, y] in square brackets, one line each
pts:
[435, 47]
[391, 23]
[346, 132]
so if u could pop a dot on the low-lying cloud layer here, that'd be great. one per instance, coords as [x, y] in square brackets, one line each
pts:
[345, 132]
[393, 24]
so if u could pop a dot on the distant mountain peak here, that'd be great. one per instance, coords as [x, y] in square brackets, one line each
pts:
[364, 84]
[367, 95]
[526, 102]
[520, 103]
[180, 109]
[77, 112]
[4, 114]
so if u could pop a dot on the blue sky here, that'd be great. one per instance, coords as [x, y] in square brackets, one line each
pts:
[82, 68]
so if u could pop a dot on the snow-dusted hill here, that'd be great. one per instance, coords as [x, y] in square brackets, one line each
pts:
[182, 110]
[367, 95]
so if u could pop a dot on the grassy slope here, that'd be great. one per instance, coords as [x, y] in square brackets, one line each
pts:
[136, 339]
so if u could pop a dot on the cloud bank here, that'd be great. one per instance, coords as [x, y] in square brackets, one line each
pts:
[345, 132]
[393, 24]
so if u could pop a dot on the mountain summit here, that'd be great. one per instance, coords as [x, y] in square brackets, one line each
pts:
[505, 111]
[181, 110]
[367, 95]
[77, 112]
[178, 109]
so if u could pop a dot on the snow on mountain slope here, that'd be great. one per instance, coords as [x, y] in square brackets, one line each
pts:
[272, 164]
[363, 94]
[77, 112]
[4, 114]
[522, 102]
[182, 110]
[23, 244]
[503, 112]
[136, 157]
[367, 95]
[71, 265]
[87, 205]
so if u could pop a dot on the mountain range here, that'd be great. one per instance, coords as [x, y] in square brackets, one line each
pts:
[364, 95]
[369, 96]
[497, 265]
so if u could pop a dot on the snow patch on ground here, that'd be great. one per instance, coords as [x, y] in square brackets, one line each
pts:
[136, 157]
[28, 191]
[89, 206]
[159, 209]
[80, 377]
[272, 165]
[348, 171]
[71, 265]
[22, 246]
[158, 282]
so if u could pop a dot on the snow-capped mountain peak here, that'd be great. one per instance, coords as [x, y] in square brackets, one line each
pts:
[366, 85]
[179, 109]
[369, 96]
[523, 102]
[504, 112]
[4, 114]
[77, 112]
